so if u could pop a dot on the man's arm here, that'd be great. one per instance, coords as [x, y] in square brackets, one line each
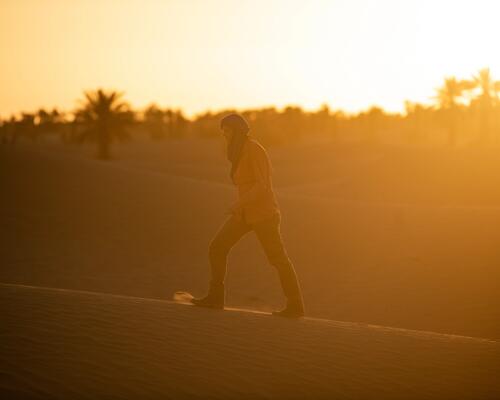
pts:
[262, 171]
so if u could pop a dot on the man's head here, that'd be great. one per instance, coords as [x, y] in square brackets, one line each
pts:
[234, 124]
[227, 132]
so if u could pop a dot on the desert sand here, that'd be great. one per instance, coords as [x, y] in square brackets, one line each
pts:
[70, 344]
[391, 236]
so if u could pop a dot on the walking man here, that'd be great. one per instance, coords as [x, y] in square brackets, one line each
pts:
[256, 209]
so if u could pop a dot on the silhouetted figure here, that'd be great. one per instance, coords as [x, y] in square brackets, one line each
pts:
[256, 209]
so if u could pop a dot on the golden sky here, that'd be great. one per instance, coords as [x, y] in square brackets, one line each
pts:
[212, 54]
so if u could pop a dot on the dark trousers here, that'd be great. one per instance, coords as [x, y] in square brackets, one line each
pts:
[269, 235]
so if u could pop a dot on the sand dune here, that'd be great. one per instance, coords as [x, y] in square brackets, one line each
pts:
[134, 227]
[70, 344]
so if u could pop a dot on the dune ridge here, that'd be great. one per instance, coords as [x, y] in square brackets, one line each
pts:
[59, 343]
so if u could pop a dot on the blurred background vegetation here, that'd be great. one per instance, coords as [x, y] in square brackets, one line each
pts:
[463, 112]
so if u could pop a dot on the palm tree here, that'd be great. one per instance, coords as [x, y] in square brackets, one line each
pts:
[450, 92]
[105, 117]
[26, 126]
[10, 129]
[154, 121]
[373, 120]
[292, 118]
[176, 123]
[3, 132]
[496, 89]
[485, 100]
[48, 121]
[485, 82]
[447, 98]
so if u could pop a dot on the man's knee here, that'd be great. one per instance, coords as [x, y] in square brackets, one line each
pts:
[218, 248]
[279, 260]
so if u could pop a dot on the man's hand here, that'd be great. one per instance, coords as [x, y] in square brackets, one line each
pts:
[236, 209]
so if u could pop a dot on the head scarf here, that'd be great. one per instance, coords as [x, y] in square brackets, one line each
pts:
[240, 129]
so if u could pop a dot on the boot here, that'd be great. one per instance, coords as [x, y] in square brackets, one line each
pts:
[293, 309]
[214, 299]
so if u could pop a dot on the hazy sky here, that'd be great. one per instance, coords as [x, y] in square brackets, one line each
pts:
[212, 54]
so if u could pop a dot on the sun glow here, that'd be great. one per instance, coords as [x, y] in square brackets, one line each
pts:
[201, 55]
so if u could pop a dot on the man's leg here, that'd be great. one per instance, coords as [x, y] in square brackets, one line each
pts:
[231, 231]
[269, 235]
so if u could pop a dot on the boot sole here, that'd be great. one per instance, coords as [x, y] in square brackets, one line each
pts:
[212, 306]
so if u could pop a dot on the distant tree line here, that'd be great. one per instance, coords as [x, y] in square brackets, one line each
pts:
[465, 111]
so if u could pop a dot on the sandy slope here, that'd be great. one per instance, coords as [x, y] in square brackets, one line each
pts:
[375, 237]
[70, 344]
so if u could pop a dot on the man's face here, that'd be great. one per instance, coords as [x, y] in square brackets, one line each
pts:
[227, 132]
